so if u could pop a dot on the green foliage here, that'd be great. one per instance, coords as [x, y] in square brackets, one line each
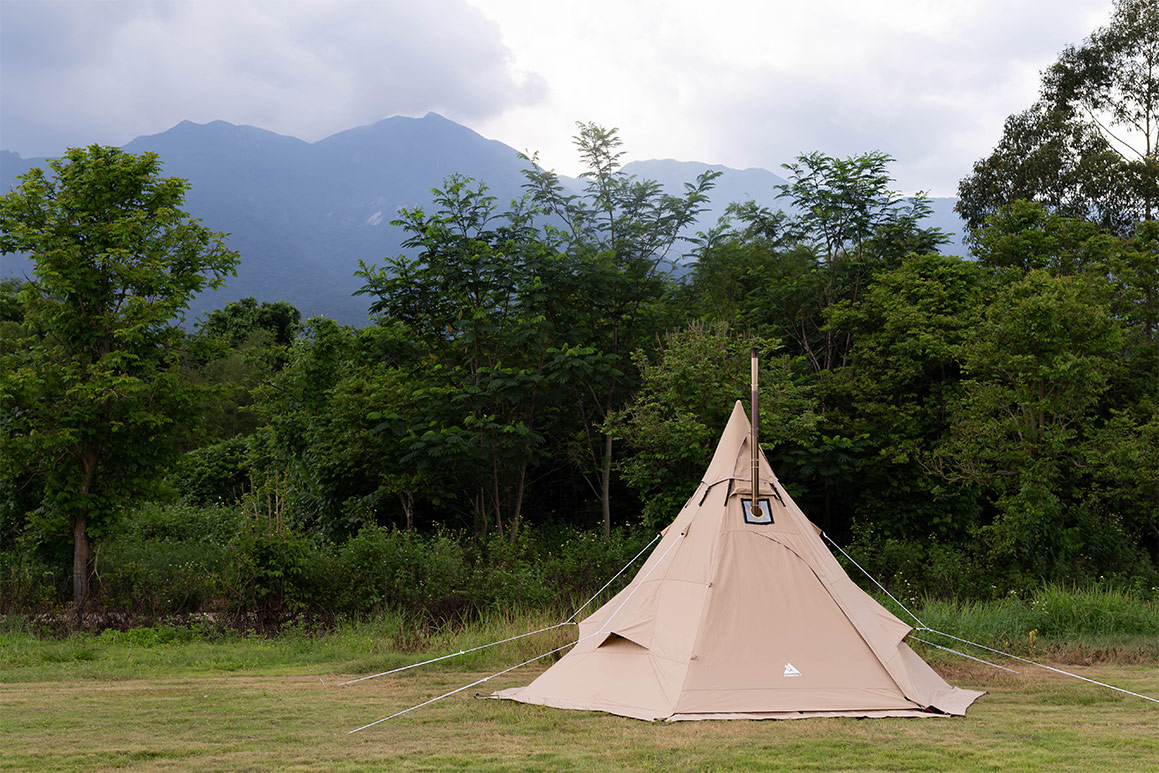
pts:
[440, 576]
[1089, 148]
[978, 427]
[617, 237]
[927, 567]
[781, 274]
[1051, 157]
[475, 299]
[1123, 480]
[241, 347]
[1026, 236]
[28, 583]
[168, 560]
[904, 367]
[152, 636]
[684, 401]
[846, 208]
[240, 320]
[1063, 613]
[421, 574]
[94, 393]
[11, 308]
[276, 574]
[1037, 367]
[214, 474]
[251, 570]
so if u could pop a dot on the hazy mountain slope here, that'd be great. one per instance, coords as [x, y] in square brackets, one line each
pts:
[303, 214]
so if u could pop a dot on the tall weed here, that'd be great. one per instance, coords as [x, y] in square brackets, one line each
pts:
[1052, 618]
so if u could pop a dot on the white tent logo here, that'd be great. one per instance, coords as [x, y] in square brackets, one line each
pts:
[791, 670]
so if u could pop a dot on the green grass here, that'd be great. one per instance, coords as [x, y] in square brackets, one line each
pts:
[1082, 626]
[168, 699]
[364, 647]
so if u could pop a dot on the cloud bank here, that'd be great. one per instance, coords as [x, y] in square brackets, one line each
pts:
[734, 82]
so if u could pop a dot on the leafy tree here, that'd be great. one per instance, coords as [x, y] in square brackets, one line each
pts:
[342, 413]
[1112, 81]
[1027, 236]
[751, 271]
[619, 234]
[478, 300]
[1123, 479]
[247, 343]
[1089, 148]
[856, 226]
[92, 397]
[904, 368]
[11, 309]
[296, 450]
[1037, 368]
[242, 319]
[1046, 156]
[785, 276]
[686, 396]
[779, 273]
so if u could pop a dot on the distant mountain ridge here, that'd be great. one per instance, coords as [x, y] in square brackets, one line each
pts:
[303, 214]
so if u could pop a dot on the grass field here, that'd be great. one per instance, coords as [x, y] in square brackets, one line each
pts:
[158, 701]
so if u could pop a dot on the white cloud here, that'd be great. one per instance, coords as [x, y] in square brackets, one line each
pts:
[755, 83]
[297, 67]
[738, 82]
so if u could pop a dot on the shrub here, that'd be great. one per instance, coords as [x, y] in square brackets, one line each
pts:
[28, 583]
[584, 561]
[389, 568]
[152, 522]
[167, 559]
[216, 474]
[276, 574]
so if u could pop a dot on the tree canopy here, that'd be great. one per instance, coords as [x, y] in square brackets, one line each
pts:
[94, 390]
[1089, 147]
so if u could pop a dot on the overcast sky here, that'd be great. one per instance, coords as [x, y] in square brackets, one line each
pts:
[742, 83]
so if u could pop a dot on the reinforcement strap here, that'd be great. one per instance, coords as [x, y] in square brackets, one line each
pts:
[1040, 665]
[921, 625]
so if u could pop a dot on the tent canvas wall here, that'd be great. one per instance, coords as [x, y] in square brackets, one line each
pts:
[736, 615]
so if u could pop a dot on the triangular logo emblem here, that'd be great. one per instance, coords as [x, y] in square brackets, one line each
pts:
[791, 670]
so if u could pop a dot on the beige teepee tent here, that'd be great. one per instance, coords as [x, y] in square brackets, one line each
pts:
[743, 614]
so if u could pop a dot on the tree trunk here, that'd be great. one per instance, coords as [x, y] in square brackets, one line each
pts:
[480, 508]
[81, 547]
[80, 564]
[518, 514]
[495, 494]
[606, 487]
[407, 498]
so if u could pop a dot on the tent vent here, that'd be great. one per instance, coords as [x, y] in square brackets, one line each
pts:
[617, 642]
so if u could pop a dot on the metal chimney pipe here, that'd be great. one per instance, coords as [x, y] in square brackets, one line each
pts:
[754, 442]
